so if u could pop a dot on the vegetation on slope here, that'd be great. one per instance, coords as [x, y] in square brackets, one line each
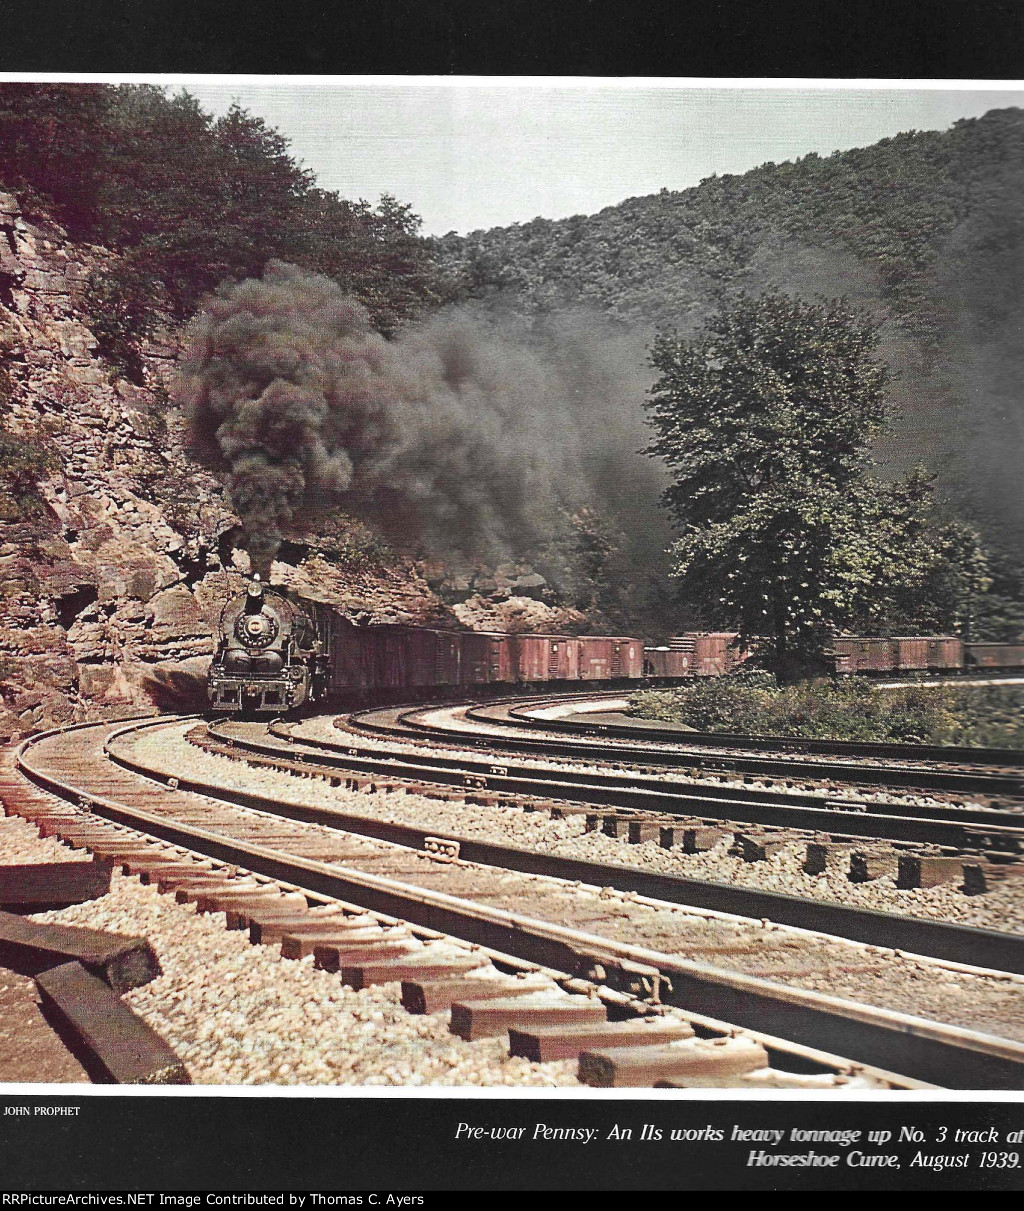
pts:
[926, 229]
[765, 421]
[188, 201]
[753, 704]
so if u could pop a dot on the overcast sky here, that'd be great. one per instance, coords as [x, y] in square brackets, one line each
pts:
[471, 154]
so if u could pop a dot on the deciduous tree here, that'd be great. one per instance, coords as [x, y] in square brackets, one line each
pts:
[766, 421]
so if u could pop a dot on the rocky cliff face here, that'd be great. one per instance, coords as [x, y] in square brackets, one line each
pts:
[109, 594]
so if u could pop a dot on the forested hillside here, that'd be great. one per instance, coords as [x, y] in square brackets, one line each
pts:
[186, 200]
[926, 230]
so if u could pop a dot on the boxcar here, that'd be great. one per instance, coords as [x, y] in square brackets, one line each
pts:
[695, 655]
[564, 657]
[528, 657]
[857, 654]
[945, 652]
[994, 655]
[714, 653]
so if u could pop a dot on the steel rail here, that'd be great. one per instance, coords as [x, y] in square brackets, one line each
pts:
[409, 724]
[917, 1047]
[960, 828]
[787, 1054]
[884, 750]
[961, 944]
[939, 767]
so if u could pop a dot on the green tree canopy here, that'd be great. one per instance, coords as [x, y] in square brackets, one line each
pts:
[766, 421]
[188, 201]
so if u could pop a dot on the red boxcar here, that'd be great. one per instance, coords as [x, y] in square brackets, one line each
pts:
[995, 655]
[528, 657]
[396, 657]
[714, 653]
[609, 658]
[564, 657]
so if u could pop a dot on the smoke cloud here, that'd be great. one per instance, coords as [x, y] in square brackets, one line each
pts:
[464, 434]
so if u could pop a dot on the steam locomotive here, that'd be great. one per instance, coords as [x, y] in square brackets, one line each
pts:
[277, 652]
[273, 652]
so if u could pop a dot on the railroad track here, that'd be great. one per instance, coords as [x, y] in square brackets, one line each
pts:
[620, 1038]
[996, 775]
[954, 943]
[655, 951]
[1002, 767]
[991, 835]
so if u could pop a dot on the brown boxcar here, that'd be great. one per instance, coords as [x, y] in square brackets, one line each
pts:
[857, 654]
[926, 652]
[564, 657]
[696, 655]
[909, 652]
[861, 654]
[712, 654]
[609, 658]
[663, 662]
[945, 652]
[528, 657]
[995, 655]
[481, 655]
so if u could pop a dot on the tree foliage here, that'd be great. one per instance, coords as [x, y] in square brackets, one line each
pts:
[26, 456]
[188, 201]
[766, 422]
[851, 709]
[926, 228]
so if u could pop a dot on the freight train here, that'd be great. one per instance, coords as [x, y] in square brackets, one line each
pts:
[277, 651]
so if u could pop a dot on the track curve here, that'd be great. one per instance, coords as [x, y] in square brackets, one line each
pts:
[77, 765]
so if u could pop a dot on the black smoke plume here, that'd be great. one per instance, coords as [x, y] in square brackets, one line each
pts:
[465, 434]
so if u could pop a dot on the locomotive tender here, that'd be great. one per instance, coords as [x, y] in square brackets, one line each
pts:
[277, 651]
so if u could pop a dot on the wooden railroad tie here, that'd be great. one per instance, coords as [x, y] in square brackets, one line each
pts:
[820, 856]
[483, 1019]
[981, 876]
[542, 1043]
[36, 886]
[691, 838]
[699, 1059]
[924, 871]
[30, 947]
[867, 865]
[759, 847]
[113, 1044]
[423, 967]
[432, 996]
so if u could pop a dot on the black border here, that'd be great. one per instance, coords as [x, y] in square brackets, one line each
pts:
[346, 1145]
[939, 39]
[311, 1142]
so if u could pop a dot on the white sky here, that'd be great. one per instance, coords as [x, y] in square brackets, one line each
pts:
[472, 153]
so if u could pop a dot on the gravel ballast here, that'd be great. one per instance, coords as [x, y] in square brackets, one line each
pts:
[1002, 908]
[991, 1004]
[239, 1014]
